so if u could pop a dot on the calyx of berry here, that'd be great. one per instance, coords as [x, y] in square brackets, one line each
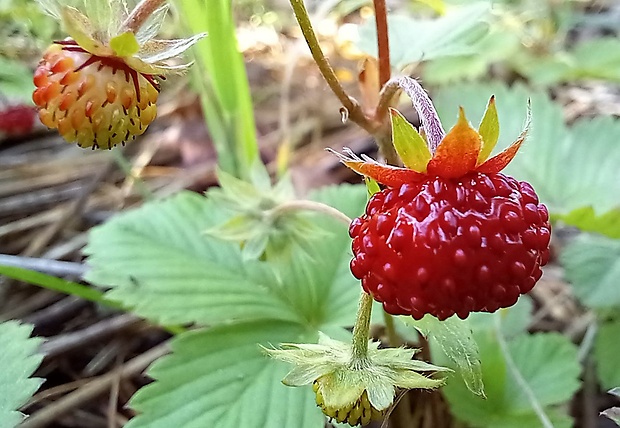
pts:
[97, 28]
[341, 380]
[434, 153]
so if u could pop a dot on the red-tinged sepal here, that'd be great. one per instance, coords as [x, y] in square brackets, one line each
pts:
[502, 159]
[489, 131]
[388, 175]
[457, 153]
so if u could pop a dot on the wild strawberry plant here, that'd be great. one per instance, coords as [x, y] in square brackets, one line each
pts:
[250, 277]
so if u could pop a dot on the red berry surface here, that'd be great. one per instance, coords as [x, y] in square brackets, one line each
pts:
[17, 120]
[446, 246]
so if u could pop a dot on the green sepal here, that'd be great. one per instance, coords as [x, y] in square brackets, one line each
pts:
[371, 185]
[343, 379]
[408, 143]
[488, 130]
[125, 44]
[79, 28]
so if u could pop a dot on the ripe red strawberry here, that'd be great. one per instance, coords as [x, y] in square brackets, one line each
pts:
[99, 87]
[16, 120]
[451, 234]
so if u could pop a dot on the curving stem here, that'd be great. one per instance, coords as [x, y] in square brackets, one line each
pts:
[383, 41]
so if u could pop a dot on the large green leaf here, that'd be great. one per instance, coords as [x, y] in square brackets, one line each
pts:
[547, 362]
[159, 262]
[514, 320]
[606, 352]
[219, 378]
[322, 287]
[413, 40]
[18, 360]
[570, 168]
[592, 265]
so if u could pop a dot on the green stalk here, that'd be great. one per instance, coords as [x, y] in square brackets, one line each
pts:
[361, 329]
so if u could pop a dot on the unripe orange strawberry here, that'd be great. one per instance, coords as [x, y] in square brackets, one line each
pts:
[94, 101]
[99, 87]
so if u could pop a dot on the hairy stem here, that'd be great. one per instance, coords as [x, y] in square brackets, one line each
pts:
[421, 102]
[383, 41]
[360, 330]
[354, 110]
[140, 14]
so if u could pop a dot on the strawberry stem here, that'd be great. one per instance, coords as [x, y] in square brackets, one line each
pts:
[302, 205]
[140, 14]
[421, 102]
[354, 111]
[383, 41]
[361, 328]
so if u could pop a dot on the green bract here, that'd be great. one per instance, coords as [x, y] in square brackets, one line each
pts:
[261, 221]
[99, 28]
[343, 379]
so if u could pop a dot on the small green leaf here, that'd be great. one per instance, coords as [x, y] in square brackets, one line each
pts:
[606, 351]
[592, 265]
[489, 130]
[125, 44]
[220, 378]
[547, 362]
[18, 360]
[409, 145]
[586, 219]
[454, 336]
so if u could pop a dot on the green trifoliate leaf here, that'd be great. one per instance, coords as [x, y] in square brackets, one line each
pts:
[18, 360]
[489, 131]
[455, 338]
[592, 265]
[220, 378]
[125, 44]
[158, 262]
[408, 143]
[342, 379]
[547, 363]
[606, 351]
